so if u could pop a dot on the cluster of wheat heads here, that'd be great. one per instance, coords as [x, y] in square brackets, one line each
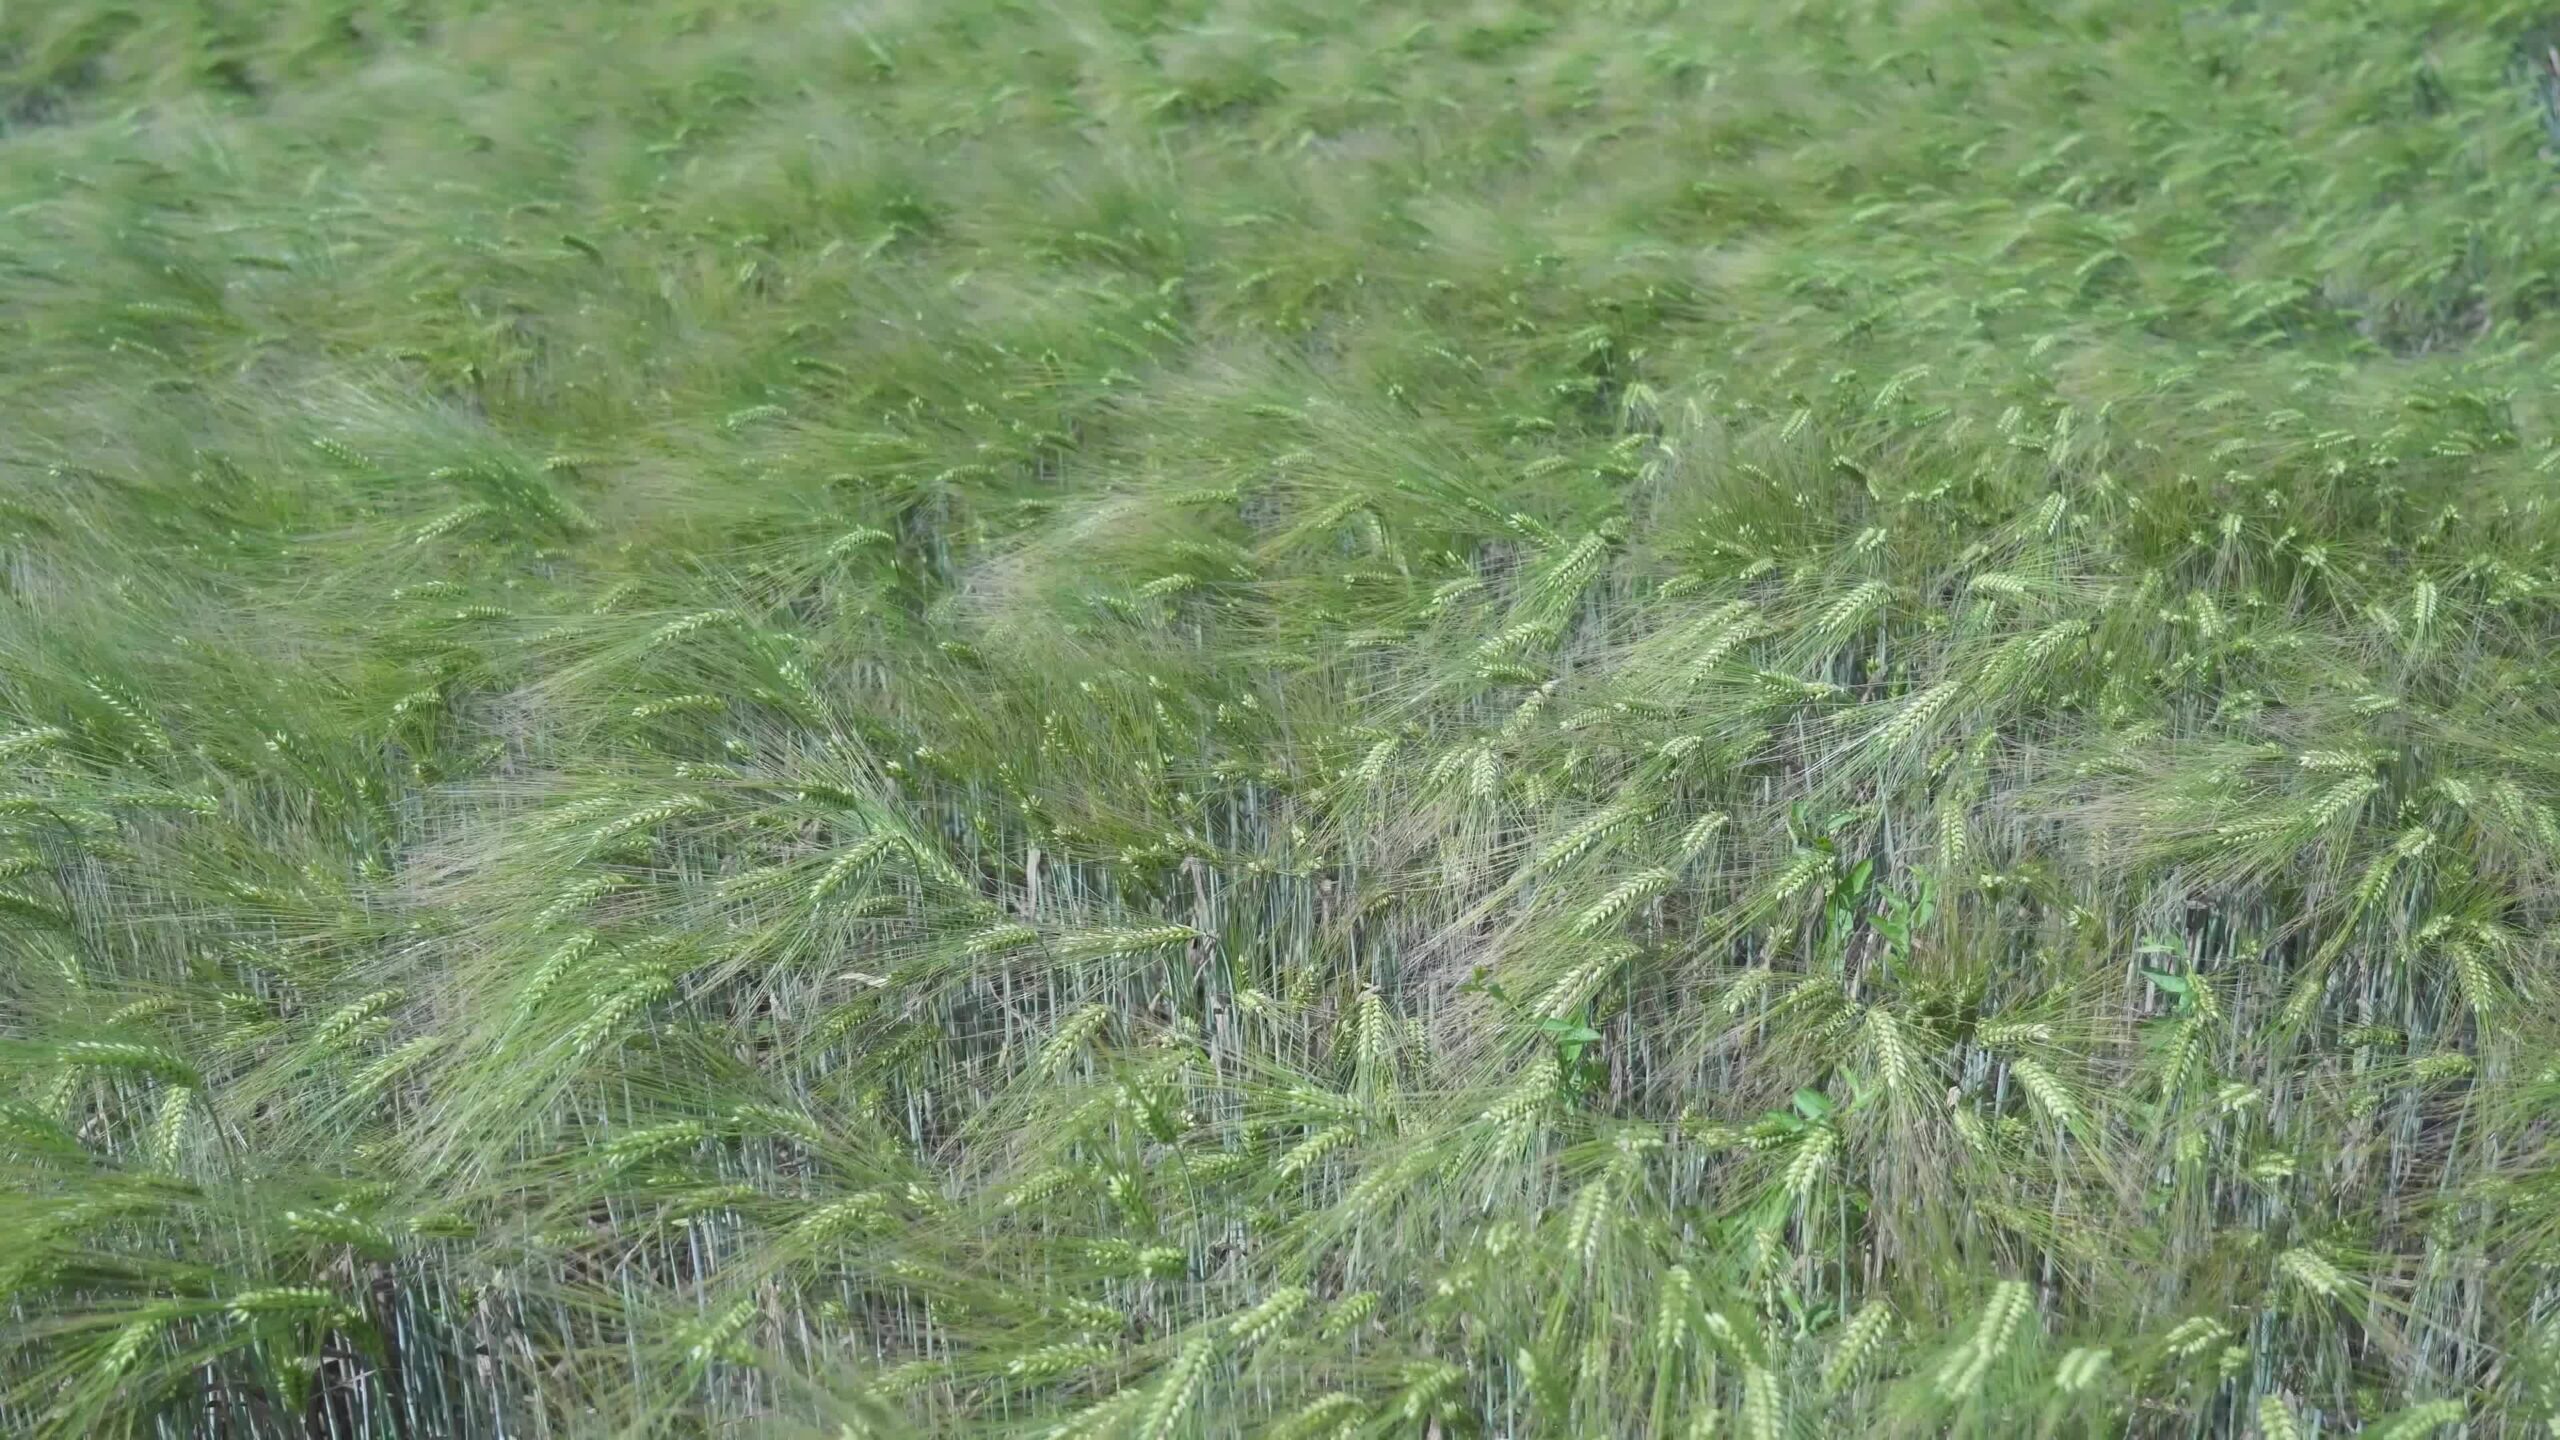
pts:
[1280, 718]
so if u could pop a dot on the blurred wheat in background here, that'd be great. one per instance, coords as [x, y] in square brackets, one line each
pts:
[1279, 718]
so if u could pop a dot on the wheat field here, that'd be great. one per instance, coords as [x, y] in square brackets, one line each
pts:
[1279, 718]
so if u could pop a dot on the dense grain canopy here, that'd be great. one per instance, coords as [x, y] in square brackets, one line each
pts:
[1219, 718]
